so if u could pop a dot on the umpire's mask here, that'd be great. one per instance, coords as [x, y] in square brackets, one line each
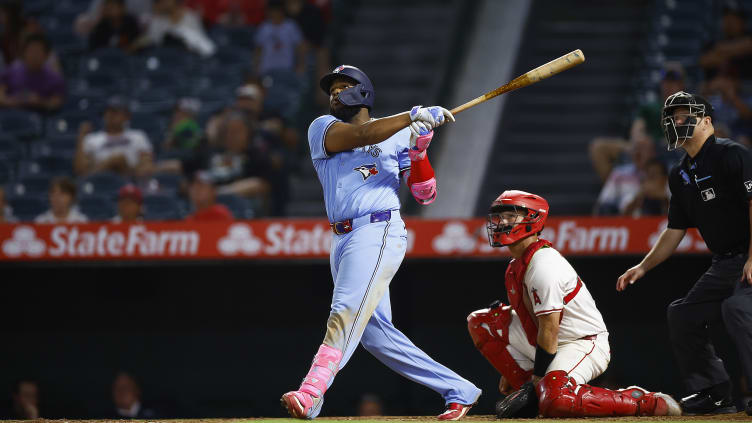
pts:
[696, 108]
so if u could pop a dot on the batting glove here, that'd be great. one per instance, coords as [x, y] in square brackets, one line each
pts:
[434, 115]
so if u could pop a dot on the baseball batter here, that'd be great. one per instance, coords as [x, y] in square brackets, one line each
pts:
[552, 333]
[360, 162]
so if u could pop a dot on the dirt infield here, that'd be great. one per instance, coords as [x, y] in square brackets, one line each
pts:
[738, 417]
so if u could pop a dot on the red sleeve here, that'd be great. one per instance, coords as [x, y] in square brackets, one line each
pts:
[420, 171]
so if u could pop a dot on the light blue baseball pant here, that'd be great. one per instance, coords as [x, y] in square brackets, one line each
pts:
[363, 263]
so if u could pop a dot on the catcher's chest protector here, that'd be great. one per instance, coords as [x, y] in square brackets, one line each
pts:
[513, 278]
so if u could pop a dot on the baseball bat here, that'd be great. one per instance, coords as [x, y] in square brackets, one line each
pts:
[551, 68]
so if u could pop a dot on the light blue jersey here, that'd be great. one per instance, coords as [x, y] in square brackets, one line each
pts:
[364, 259]
[362, 181]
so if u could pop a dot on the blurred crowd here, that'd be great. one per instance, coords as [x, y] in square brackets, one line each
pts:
[634, 169]
[126, 110]
[127, 401]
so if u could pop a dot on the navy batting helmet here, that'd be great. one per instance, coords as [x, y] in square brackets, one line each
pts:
[362, 94]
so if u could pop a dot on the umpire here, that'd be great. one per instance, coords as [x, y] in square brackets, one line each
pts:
[711, 188]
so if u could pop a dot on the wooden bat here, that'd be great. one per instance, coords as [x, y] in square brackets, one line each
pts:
[551, 68]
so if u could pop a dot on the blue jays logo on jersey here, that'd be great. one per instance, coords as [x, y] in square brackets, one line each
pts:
[373, 150]
[367, 170]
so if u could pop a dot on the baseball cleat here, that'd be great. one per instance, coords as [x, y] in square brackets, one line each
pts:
[653, 403]
[299, 404]
[454, 411]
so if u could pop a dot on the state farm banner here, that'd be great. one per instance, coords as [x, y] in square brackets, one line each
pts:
[311, 239]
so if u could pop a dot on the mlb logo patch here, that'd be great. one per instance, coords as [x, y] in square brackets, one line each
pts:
[707, 194]
[748, 185]
[339, 69]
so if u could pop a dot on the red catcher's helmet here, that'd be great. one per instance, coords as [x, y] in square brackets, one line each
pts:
[533, 207]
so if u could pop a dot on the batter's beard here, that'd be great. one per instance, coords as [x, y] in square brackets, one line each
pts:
[345, 113]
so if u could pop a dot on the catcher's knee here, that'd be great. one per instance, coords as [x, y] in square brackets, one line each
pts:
[484, 325]
[555, 395]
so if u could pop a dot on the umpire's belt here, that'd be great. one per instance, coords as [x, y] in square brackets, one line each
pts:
[346, 226]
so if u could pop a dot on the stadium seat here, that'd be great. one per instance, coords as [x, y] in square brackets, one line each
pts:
[157, 100]
[10, 148]
[89, 101]
[241, 207]
[46, 165]
[21, 124]
[97, 208]
[32, 185]
[103, 184]
[161, 207]
[225, 36]
[6, 171]
[282, 92]
[106, 60]
[61, 146]
[167, 183]
[68, 122]
[27, 208]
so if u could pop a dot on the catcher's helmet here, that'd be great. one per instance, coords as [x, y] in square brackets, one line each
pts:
[362, 94]
[697, 107]
[534, 209]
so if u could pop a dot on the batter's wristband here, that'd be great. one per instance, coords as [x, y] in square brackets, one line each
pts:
[543, 359]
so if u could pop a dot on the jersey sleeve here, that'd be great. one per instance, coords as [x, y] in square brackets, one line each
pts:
[739, 167]
[317, 135]
[677, 216]
[544, 284]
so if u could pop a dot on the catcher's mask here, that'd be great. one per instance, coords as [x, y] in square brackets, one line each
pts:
[515, 215]
[677, 133]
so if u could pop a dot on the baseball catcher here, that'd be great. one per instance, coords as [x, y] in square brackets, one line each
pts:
[550, 341]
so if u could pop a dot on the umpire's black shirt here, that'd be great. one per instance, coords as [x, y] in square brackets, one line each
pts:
[710, 192]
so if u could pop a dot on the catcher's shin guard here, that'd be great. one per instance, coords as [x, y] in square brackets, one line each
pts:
[489, 329]
[560, 396]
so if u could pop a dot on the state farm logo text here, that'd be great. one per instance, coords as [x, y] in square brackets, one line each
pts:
[136, 240]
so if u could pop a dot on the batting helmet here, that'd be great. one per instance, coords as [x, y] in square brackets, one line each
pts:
[362, 94]
[533, 209]
[697, 107]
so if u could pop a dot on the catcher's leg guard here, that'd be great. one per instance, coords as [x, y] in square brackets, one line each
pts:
[560, 396]
[489, 329]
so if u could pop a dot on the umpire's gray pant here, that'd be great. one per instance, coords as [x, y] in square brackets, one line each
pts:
[717, 295]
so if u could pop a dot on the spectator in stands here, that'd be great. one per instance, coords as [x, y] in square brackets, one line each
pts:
[15, 28]
[279, 42]
[733, 52]
[25, 400]
[174, 23]
[86, 21]
[184, 135]
[117, 148]
[653, 195]
[116, 28]
[370, 405]
[126, 396]
[62, 203]
[731, 109]
[606, 152]
[312, 24]
[625, 181]
[31, 82]
[129, 205]
[203, 196]
[229, 12]
[6, 212]
[249, 101]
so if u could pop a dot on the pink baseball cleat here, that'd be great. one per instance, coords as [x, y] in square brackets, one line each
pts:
[299, 404]
[454, 411]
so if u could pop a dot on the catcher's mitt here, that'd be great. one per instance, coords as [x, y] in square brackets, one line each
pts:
[522, 403]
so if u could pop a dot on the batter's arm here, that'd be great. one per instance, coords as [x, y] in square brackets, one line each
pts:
[667, 243]
[343, 136]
